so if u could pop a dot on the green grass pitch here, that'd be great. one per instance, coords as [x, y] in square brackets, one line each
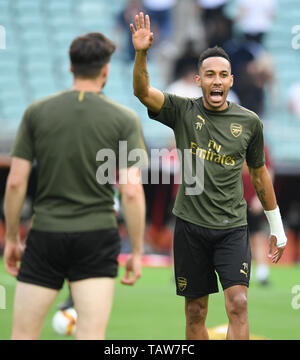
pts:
[150, 310]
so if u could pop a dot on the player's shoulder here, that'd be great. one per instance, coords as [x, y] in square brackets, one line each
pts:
[119, 109]
[244, 111]
[37, 104]
[180, 101]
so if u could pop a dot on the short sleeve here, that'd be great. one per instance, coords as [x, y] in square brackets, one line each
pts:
[255, 155]
[133, 145]
[169, 113]
[23, 146]
[269, 163]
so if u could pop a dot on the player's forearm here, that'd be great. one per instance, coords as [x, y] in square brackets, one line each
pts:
[141, 80]
[14, 200]
[134, 210]
[263, 186]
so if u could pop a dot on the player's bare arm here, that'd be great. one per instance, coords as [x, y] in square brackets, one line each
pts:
[16, 188]
[262, 183]
[133, 203]
[263, 186]
[142, 39]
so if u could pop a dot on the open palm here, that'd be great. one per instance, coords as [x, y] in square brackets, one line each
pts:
[142, 36]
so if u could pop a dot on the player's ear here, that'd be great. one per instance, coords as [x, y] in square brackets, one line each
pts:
[71, 68]
[105, 70]
[232, 80]
[198, 80]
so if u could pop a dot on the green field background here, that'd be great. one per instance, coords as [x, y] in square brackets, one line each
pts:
[150, 310]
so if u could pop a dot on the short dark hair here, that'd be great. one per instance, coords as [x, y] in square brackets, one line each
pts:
[216, 51]
[89, 53]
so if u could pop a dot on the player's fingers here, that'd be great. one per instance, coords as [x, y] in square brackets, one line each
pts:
[132, 29]
[128, 280]
[134, 278]
[142, 20]
[137, 22]
[274, 257]
[136, 275]
[12, 268]
[281, 250]
[131, 280]
[147, 20]
[277, 255]
[270, 249]
[22, 248]
[271, 246]
[13, 271]
[151, 37]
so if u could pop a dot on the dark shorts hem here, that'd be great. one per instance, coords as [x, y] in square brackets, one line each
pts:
[91, 276]
[58, 287]
[38, 283]
[197, 296]
[233, 283]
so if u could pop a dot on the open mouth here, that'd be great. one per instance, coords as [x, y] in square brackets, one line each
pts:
[216, 95]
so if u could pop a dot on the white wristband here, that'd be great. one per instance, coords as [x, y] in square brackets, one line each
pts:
[276, 226]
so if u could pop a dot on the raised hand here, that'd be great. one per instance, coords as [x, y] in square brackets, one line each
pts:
[142, 36]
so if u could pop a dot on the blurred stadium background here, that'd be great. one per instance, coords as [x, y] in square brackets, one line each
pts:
[34, 63]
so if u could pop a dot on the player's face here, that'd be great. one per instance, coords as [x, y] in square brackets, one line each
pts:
[215, 80]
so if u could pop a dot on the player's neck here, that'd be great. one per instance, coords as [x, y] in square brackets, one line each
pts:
[208, 107]
[88, 85]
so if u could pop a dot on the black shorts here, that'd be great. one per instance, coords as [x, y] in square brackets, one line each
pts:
[51, 257]
[256, 222]
[200, 253]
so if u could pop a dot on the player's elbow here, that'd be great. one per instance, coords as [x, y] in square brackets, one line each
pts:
[140, 94]
[257, 175]
[15, 183]
[19, 174]
[257, 182]
[132, 192]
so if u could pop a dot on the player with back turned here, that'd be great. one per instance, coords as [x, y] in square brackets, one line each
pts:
[74, 234]
[211, 233]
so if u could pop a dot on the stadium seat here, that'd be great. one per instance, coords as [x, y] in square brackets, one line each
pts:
[8, 62]
[26, 6]
[10, 79]
[57, 7]
[38, 68]
[39, 34]
[26, 18]
[282, 131]
[4, 13]
[12, 111]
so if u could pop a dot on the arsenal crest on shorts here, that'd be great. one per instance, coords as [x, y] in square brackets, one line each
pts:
[182, 283]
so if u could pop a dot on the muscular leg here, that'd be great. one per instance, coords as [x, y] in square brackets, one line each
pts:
[93, 301]
[31, 305]
[196, 312]
[237, 311]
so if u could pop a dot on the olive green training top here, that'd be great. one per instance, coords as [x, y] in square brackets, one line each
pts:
[64, 134]
[219, 141]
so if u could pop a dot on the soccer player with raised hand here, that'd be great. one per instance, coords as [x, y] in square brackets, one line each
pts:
[211, 234]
